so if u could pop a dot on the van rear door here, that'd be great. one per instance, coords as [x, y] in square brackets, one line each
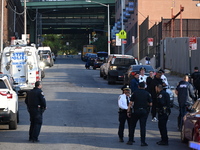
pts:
[18, 59]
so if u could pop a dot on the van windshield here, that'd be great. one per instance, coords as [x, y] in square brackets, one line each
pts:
[123, 61]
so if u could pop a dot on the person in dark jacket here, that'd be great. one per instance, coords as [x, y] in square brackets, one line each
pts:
[141, 102]
[155, 81]
[163, 110]
[148, 81]
[134, 82]
[186, 96]
[195, 80]
[36, 104]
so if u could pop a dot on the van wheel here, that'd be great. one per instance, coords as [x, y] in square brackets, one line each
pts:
[17, 116]
[13, 124]
[111, 80]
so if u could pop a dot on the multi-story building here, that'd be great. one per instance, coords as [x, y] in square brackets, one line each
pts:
[155, 11]
[13, 25]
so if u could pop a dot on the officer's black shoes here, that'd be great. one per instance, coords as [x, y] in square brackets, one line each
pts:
[130, 143]
[35, 141]
[144, 144]
[162, 143]
[121, 140]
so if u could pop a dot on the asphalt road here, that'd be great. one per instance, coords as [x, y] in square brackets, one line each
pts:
[81, 115]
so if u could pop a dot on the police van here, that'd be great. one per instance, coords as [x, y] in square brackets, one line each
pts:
[46, 50]
[22, 62]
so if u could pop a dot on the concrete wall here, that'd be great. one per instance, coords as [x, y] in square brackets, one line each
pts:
[175, 55]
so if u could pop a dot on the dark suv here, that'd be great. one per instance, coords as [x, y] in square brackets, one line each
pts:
[101, 57]
[116, 66]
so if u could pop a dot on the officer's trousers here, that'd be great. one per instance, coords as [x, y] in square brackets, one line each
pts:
[162, 125]
[141, 115]
[122, 120]
[153, 109]
[182, 112]
[35, 123]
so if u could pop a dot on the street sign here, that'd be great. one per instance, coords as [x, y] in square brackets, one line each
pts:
[192, 43]
[118, 40]
[124, 41]
[122, 34]
[150, 42]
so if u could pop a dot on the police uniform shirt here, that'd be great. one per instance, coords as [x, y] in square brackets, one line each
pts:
[163, 99]
[141, 98]
[142, 78]
[122, 101]
[34, 98]
[185, 92]
[164, 79]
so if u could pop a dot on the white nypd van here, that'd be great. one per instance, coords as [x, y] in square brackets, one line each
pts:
[22, 62]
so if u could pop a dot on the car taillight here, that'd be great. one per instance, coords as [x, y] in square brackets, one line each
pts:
[4, 93]
[133, 73]
[37, 76]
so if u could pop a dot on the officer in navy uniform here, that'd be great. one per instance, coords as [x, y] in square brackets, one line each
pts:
[186, 95]
[36, 104]
[123, 102]
[163, 110]
[141, 102]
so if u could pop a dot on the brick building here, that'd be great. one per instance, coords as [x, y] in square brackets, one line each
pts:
[12, 20]
[156, 11]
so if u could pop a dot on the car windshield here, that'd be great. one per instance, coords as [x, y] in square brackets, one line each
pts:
[148, 68]
[123, 61]
[102, 54]
[44, 56]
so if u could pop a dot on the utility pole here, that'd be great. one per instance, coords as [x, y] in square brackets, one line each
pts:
[2, 18]
[122, 23]
[25, 21]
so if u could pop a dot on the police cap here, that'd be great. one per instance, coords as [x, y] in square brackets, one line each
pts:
[142, 68]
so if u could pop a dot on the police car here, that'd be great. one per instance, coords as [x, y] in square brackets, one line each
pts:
[8, 104]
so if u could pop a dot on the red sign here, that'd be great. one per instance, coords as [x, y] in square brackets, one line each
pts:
[124, 41]
[192, 43]
[150, 41]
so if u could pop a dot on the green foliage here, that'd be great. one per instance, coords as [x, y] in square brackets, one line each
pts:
[102, 43]
[58, 42]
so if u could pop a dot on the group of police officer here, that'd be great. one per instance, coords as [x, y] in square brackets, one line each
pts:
[139, 107]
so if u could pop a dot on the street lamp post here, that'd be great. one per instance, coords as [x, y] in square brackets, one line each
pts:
[108, 21]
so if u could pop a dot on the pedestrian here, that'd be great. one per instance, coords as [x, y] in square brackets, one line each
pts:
[185, 94]
[147, 60]
[148, 81]
[163, 77]
[123, 102]
[142, 76]
[141, 102]
[195, 80]
[155, 81]
[36, 104]
[163, 109]
[134, 82]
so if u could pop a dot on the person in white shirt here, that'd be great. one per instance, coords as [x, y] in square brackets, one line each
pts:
[163, 77]
[142, 76]
[123, 102]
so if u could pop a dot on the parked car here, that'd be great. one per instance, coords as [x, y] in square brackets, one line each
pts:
[101, 58]
[191, 124]
[90, 60]
[85, 57]
[46, 59]
[136, 69]
[8, 104]
[116, 66]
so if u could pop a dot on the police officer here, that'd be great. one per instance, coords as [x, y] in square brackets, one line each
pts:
[140, 101]
[123, 102]
[195, 80]
[36, 104]
[163, 110]
[185, 94]
[155, 81]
